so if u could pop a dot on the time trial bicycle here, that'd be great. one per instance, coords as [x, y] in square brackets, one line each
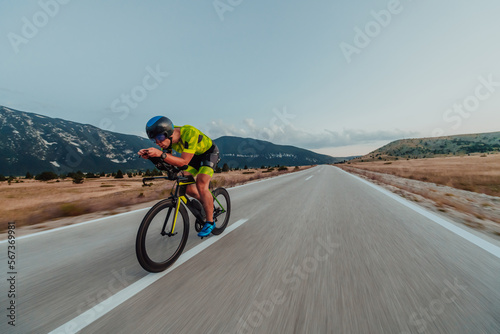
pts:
[164, 230]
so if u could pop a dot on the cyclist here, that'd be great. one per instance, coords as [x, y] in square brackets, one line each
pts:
[197, 151]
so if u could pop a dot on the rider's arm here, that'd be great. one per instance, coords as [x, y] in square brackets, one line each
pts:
[153, 152]
[183, 160]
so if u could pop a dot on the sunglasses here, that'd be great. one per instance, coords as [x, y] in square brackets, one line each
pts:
[161, 137]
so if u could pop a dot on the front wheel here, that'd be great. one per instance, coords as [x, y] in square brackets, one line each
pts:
[222, 210]
[157, 248]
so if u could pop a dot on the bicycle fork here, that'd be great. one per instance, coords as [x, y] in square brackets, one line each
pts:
[177, 207]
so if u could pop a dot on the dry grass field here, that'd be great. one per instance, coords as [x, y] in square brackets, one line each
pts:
[477, 173]
[32, 202]
[466, 189]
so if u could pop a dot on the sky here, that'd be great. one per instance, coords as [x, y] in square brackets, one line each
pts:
[338, 77]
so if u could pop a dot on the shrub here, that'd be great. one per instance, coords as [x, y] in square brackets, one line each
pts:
[77, 174]
[78, 179]
[119, 174]
[282, 168]
[225, 168]
[46, 176]
[2, 178]
[154, 172]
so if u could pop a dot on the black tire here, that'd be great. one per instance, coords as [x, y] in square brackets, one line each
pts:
[156, 252]
[221, 218]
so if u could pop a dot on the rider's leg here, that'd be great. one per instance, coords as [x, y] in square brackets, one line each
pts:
[192, 190]
[202, 185]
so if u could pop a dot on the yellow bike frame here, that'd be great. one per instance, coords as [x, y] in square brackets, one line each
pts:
[183, 198]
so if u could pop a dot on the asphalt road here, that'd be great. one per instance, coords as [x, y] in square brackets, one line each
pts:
[316, 251]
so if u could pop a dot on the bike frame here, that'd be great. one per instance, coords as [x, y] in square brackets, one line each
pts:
[178, 197]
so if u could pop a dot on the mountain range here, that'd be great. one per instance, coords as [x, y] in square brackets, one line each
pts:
[34, 143]
[240, 152]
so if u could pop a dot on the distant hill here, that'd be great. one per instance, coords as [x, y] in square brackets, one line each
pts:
[241, 152]
[34, 143]
[439, 146]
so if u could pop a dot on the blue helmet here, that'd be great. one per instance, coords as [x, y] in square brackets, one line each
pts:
[159, 125]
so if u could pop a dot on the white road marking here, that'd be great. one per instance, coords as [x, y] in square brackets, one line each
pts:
[487, 246]
[86, 318]
[310, 177]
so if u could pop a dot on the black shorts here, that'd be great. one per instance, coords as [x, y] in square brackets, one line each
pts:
[205, 163]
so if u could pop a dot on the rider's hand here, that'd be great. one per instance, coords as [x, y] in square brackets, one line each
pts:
[143, 153]
[151, 152]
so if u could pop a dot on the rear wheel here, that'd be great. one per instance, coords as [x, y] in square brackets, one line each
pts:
[222, 210]
[156, 247]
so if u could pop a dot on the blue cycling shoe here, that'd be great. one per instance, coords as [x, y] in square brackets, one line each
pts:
[206, 230]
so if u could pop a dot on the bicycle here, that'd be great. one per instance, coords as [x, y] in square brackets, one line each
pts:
[161, 238]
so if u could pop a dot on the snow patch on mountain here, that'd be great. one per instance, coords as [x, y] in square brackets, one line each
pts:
[67, 137]
[47, 143]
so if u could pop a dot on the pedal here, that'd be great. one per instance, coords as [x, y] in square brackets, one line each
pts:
[198, 225]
